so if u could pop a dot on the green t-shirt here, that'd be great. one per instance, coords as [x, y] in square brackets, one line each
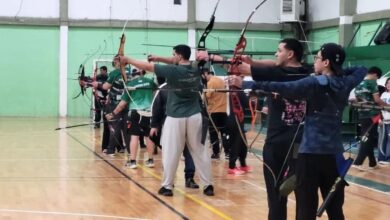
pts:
[182, 103]
[364, 93]
[114, 76]
[116, 91]
[142, 97]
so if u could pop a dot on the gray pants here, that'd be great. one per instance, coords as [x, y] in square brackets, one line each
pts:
[176, 133]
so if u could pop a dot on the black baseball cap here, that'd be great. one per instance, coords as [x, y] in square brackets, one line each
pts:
[336, 56]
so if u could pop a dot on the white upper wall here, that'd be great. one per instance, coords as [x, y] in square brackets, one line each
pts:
[231, 11]
[30, 8]
[323, 9]
[157, 10]
[237, 11]
[234, 11]
[365, 6]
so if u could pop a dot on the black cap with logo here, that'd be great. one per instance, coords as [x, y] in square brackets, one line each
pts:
[336, 56]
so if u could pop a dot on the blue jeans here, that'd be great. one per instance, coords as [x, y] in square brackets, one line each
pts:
[384, 142]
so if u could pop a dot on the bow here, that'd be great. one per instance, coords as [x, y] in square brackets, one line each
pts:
[81, 77]
[233, 70]
[201, 63]
[235, 61]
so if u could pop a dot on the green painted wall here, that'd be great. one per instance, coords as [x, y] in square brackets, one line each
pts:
[29, 70]
[366, 32]
[33, 90]
[324, 35]
[89, 44]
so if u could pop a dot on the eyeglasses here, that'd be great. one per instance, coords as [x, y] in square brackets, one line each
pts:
[316, 57]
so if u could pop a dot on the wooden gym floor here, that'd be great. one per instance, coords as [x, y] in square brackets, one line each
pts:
[47, 174]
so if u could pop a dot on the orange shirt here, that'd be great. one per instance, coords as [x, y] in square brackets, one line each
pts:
[216, 101]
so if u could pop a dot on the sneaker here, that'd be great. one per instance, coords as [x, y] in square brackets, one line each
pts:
[384, 162]
[165, 192]
[215, 156]
[132, 164]
[208, 190]
[235, 171]
[149, 163]
[109, 154]
[246, 169]
[359, 167]
[373, 167]
[190, 183]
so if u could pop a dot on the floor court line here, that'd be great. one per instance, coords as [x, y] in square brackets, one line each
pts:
[130, 179]
[69, 214]
[191, 197]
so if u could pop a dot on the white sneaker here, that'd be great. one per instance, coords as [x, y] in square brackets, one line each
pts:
[131, 165]
[359, 167]
[110, 155]
[384, 163]
[149, 163]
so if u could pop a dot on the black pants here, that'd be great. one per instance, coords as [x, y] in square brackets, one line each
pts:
[98, 110]
[367, 147]
[106, 132]
[118, 132]
[277, 204]
[236, 142]
[219, 120]
[274, 154]
[317, 171]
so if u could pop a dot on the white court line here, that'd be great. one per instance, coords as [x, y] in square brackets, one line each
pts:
[70, 214]
[365, 187]
[262, 188]
[359, 185]
[72, 159]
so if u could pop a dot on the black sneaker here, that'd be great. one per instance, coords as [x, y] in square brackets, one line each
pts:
[165, 192]
[190, 183]
[209, 190]
[215, 156]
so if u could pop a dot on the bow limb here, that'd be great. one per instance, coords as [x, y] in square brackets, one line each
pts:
[202, 40]
[209, 28]
[121, 52]
[241, 45]
[81, 78]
